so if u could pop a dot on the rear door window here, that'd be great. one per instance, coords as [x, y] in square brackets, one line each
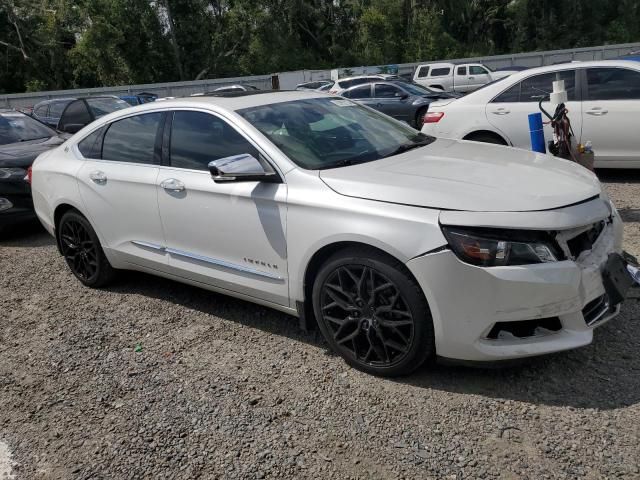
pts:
[132, 139]
[76, 113]
[91, 145]
[461, 71]
[198, 138]
[613, 84]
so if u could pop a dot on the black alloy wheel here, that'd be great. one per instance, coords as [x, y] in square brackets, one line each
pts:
[373, 314]
[81, 249]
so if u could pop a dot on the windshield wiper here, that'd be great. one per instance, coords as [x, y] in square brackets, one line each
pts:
[31, 139]
[346, 162]
[409, 146]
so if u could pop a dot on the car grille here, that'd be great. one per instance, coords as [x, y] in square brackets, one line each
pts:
[585, 240]
[596, 310]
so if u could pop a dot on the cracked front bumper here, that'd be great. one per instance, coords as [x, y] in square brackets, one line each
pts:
[467, 301]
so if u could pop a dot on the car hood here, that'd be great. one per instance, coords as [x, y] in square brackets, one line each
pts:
[471, 176]
[24, 153]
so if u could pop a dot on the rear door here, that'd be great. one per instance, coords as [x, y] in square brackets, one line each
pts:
[611, 115]
[361, 94]
[460, 79]
[389, 99]
[441, 78]
[509, 111]
[117, 183]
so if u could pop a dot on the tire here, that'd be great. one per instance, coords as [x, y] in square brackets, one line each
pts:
[486, 138]
[389, 333]
[82, 251]
[419, 121]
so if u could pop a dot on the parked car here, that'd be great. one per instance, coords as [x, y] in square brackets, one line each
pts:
[325, 88]
[604, 107]
[401, 100]
[22, 139]
[236, 88]
[50, 111]
[342, 84]
[450, 77]
[400, 245]
[82, 111]
[139, 98]
[314, 85]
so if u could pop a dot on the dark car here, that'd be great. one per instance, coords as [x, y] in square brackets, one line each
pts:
[83, 111]
[402, 100]
[22, 139]
[49, 111]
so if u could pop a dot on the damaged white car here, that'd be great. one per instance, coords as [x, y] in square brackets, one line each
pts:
[402, 247]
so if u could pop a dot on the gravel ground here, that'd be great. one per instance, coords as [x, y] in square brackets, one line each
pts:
[154, 379]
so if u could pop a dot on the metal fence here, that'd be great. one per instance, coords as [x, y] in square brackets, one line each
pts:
[173, 89]
[288, 80]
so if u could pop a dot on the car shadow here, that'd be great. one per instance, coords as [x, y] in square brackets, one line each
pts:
[25, 235]
[604, 375]
[630, 215]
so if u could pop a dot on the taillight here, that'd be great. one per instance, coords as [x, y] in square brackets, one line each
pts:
[29, 175]
[433, 117]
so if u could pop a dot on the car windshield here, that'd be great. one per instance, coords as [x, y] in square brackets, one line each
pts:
[323, 133]
[102, 106]
[17, 127]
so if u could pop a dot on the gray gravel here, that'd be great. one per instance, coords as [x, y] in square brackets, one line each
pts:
[154, 379]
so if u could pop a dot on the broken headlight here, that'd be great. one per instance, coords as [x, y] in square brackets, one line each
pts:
[488, 247]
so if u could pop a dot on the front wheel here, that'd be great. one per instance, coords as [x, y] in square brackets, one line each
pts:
[373, 313]
[82, 250]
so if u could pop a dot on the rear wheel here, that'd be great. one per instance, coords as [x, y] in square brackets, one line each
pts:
[82, 250]
[373, 313]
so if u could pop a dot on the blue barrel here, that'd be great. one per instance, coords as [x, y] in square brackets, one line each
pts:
[537, 133]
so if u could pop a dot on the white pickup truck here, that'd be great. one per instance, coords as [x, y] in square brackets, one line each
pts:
[450, 77]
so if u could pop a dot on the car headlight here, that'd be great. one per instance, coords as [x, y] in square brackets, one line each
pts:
[487, 247]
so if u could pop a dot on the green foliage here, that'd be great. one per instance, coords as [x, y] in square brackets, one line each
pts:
[55, 44]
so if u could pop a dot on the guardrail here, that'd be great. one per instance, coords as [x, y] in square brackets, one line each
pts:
[288, 80]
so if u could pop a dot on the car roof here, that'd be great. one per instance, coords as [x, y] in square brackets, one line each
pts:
[71, 99]
[230, 101]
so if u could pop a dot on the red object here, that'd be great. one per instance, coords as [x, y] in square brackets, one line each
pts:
[29, 175]
[433, 117]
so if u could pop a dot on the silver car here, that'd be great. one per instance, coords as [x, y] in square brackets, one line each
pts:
[398, 245]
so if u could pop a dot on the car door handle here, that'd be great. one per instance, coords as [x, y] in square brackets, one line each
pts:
[597, 111]
[472, 78]
[501, 111]
[172, 185]
[98, 177]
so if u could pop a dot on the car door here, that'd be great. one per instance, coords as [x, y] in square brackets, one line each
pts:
[231, 235]
[461, 80]
[611, 113]
[391, 100]
[478, 76]
[117, 183]
[509, 111]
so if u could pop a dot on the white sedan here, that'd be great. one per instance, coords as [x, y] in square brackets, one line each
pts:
[604, 108]
[399, 245]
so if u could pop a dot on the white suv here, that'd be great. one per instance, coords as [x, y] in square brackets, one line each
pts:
[400, 245]
[604, 107]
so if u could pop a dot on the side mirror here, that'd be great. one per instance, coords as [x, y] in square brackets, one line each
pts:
[72, 127]
[404, 96]
[241, 168]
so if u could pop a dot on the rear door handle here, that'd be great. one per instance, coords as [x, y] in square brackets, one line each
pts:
[501, 111]
[98, 177]
[172, 185]
[597, 111]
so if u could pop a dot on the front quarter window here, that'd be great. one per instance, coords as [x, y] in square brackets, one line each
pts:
[323, 133]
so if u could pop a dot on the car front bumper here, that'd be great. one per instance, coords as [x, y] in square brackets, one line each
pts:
[467, 302]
